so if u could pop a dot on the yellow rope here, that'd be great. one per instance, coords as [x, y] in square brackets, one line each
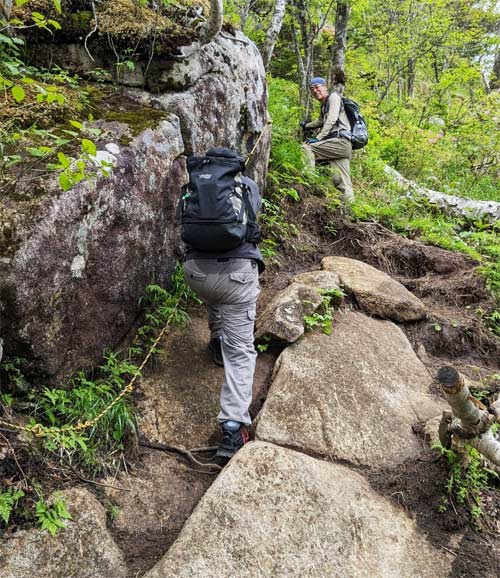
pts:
[39, 430]
[268, 122]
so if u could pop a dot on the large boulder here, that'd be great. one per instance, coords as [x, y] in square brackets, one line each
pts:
[72, 286]
[375, 291]
[282, 319]
[224, 100]
[353, 395]
[73, 271]
[321, 280]
[84, 549]
[276, 512]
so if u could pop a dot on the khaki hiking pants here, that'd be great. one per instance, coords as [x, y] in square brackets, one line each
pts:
[338, 152]
[230, 289]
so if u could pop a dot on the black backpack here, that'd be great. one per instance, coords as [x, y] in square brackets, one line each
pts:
[214, 208]
[359, 130]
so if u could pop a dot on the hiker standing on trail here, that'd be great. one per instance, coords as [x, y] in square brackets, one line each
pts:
[332, 142]
[222, 266]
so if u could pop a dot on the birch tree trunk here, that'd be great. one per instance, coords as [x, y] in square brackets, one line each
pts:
[457, 206]
[273, 31]
[472, 421]
[410, 81]
[214, 24]
[302, 81]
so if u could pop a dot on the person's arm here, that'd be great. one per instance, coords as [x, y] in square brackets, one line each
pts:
[332, 116]
[314, 123]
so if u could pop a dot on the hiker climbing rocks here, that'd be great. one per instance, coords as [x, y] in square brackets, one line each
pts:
[333, 140]
[222, 265]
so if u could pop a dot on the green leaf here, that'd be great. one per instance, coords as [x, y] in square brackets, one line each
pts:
[89, 147]
[57, 4]
[18, 93]
[70, 132]
[21, 2]
[63, 159]
[76, 124]
[55, 24]
[37, 17]
[4, 83]
[5, 40]
[36, 152]
[65, 182]
[12, 68]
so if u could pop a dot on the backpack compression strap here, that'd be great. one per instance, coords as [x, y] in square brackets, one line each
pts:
[245, 189]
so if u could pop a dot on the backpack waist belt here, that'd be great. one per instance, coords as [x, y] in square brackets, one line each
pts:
[339, 134]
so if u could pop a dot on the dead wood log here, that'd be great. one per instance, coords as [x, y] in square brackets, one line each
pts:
[452, 205]
[471, 421]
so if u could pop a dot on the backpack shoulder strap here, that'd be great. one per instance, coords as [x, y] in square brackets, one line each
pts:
[325, 107]
[245, 190]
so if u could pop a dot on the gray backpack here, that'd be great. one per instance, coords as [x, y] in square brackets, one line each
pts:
[359, 130]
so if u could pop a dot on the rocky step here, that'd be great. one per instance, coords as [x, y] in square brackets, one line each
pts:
[277, 512]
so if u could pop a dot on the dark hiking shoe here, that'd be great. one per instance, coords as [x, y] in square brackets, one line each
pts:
[234, 436]
[215, 348]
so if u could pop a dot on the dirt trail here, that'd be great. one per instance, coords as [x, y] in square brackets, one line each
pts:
[452, 334]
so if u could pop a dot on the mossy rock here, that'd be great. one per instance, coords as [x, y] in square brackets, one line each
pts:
[129, 24]
[137, 117]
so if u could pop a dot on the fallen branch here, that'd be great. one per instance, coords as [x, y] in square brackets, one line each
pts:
[455, 206]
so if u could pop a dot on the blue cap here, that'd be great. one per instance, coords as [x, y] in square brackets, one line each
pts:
[316, 80]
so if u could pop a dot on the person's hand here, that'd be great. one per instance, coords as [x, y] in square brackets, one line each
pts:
[303, 123]
[311, 140]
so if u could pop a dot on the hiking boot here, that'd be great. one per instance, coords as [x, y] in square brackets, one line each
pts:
[234, 436]
[215, 348]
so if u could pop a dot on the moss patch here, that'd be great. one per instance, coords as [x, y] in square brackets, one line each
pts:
[131, 25]
[137, 118]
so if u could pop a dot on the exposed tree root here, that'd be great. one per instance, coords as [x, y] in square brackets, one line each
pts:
[211, 467]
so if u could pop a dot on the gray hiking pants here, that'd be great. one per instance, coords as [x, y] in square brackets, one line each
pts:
[230, 289]
[338, 152]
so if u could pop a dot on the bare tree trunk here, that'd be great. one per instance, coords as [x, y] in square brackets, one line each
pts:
[273, 31]
[5, 8]
[495, 73]
[303, 92]
[214, 24]
[244, 12]
[471, 422]
[466, 209]
[340, 43]
[307, 44]
[410, 81]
